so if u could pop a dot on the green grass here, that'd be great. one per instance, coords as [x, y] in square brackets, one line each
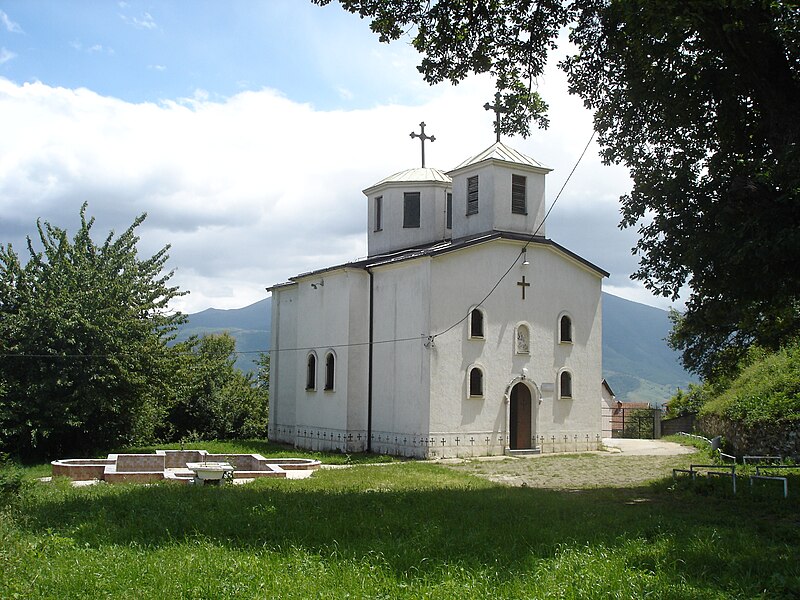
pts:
[407, 530]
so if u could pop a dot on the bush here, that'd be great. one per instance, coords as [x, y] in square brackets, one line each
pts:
[689, 402]
[11, 481]
[766, 392]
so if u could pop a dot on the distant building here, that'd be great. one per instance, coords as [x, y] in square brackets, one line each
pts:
[465, 332]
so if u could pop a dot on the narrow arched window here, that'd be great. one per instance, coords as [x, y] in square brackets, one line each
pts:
[330, 367]
[476, 382]
[311, 372]
[565, 328]
[476, 323]
[566, 384]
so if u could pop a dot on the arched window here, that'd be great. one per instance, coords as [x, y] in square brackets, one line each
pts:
[566, 384]
[565, 329]
[311, 372]
[475, 381]
[476, 323]
[330, 367]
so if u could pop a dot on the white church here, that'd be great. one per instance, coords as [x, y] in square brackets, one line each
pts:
[465, 332]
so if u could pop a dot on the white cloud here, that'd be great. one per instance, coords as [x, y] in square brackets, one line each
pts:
[160, 68]
[145, 22]
[6, 55]
[10, 25]
[256, 188]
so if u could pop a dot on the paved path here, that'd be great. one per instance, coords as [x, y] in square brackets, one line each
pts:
[646, 447]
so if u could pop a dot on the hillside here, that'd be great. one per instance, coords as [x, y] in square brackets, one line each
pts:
[637, 362]
[250, 326]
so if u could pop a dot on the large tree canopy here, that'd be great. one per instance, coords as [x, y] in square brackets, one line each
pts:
[698, 98]
[83, 333]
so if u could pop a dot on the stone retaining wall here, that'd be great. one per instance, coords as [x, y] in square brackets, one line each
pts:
[763, 440]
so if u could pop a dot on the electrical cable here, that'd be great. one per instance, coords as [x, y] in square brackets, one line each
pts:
[431, 338]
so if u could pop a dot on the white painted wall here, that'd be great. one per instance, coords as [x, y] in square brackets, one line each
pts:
[393, 235]
[457, 287]
[401, 368]
[494, 200]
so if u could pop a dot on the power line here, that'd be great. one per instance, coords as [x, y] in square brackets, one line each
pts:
[357, 344]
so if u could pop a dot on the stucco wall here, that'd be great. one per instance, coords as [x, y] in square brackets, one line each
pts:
[401, 368]
[558, 285]
[393, 235]
[494, 201]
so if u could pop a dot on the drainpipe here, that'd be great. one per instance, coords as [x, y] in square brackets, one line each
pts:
[369, 363]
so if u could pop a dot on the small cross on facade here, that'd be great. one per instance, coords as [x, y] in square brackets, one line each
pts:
[497, 107]
[422, 137]
[523, 284]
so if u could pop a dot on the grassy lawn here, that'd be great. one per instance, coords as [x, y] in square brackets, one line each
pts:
[406, 530]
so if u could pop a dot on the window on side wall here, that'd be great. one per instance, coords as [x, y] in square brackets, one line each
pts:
[476, 323]
[449, 210]
[411, 209]
[565, 329]
[475, 382]
[565, 384]
[311, 372]
[472, 195]
[330, 369]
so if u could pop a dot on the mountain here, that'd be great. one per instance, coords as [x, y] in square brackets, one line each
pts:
[637, 363]
[249, 326]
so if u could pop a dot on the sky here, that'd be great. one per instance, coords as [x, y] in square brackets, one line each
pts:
[246, 131]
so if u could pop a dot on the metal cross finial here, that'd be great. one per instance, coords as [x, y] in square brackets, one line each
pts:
[422, 137]
[497, 107]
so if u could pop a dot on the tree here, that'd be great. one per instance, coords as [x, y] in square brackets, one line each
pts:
[698, 98]
[83, 334]
[214, 399]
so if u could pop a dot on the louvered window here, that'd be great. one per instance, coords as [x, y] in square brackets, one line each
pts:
[379, 213]
[449, 210]
[411, 209]
[519, 204]
[472, 195]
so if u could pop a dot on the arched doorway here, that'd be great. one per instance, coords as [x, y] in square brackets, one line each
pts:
[520, 418]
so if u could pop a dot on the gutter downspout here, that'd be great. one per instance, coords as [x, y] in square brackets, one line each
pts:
[369, 362]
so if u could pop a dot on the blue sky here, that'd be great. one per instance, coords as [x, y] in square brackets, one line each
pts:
[247, 130]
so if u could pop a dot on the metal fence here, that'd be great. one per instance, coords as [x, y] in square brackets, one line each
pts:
[640, 423]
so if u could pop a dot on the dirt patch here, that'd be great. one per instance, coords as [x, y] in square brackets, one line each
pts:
[577, 471]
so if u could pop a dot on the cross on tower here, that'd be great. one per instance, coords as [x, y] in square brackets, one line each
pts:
[497, 107]
[422, 137]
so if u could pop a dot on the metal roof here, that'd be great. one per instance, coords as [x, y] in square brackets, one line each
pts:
[499, 151]
[420, 174]
[445, 246]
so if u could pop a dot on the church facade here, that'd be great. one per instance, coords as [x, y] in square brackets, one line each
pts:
[465, 332]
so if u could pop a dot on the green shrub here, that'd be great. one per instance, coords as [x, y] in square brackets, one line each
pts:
[689, 402]
[11, 481]
[766, 391]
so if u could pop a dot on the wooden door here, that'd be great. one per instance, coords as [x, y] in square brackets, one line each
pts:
[520, 417]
